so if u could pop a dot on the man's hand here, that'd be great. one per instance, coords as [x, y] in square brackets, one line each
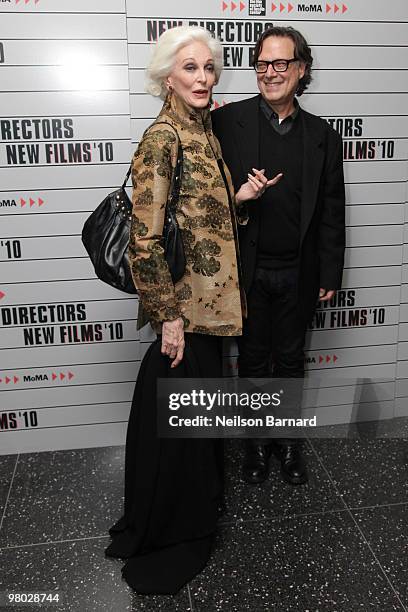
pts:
[255, 186]
[326, 295]
[173, 340]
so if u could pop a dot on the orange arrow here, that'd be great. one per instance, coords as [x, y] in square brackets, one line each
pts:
[290, 7]
[40, 202]
[328, 8]
[343, 8]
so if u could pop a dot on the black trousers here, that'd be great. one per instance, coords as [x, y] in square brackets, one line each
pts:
[273, 337]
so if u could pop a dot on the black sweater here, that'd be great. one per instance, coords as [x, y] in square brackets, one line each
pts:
[279, 236]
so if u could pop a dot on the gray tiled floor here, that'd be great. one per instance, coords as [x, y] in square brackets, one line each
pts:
[63, 494]
[309, 563]
[367, 471]
[385, 528]
[338, 544]
[88, 580]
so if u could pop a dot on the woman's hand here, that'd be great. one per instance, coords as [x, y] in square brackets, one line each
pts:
[173, 340]
[326, 294]
[255, 186]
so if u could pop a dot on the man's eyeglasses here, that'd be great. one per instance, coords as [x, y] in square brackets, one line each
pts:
[279, 65]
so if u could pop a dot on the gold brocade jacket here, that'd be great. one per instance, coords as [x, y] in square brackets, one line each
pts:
[208, 296]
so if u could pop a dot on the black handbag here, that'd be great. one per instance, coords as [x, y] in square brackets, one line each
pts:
[105, 235]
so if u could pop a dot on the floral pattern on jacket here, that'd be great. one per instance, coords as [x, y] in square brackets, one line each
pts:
[208, 296]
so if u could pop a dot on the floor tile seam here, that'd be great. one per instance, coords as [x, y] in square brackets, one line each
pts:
[100, 537]
[9, 492]
[378, 562]
[359, 529]
[190, 598]
[377, 506]
[401, 503]
[270, 519]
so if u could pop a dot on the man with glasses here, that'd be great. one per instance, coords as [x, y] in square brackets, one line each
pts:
[292, 248]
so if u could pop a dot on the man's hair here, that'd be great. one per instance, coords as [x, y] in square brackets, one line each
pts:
[165, 51]
[302, 51]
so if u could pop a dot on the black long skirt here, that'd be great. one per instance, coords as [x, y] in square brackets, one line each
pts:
[173, 487]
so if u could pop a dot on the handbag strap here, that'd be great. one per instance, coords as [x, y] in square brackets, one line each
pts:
[175, 189]
[176, 180]
[127, 177]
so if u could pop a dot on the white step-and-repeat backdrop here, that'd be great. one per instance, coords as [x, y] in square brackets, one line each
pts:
[72, 109]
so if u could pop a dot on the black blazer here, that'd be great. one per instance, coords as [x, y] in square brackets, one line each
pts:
[322, 239]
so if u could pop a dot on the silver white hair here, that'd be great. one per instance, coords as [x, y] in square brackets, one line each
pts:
[165, 51]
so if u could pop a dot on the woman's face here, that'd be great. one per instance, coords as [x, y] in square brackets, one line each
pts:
[193, 75]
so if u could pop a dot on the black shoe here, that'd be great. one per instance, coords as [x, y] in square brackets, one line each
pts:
[293, 466]
[255, 468]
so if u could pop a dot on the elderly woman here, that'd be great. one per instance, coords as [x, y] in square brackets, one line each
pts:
[173, 487]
